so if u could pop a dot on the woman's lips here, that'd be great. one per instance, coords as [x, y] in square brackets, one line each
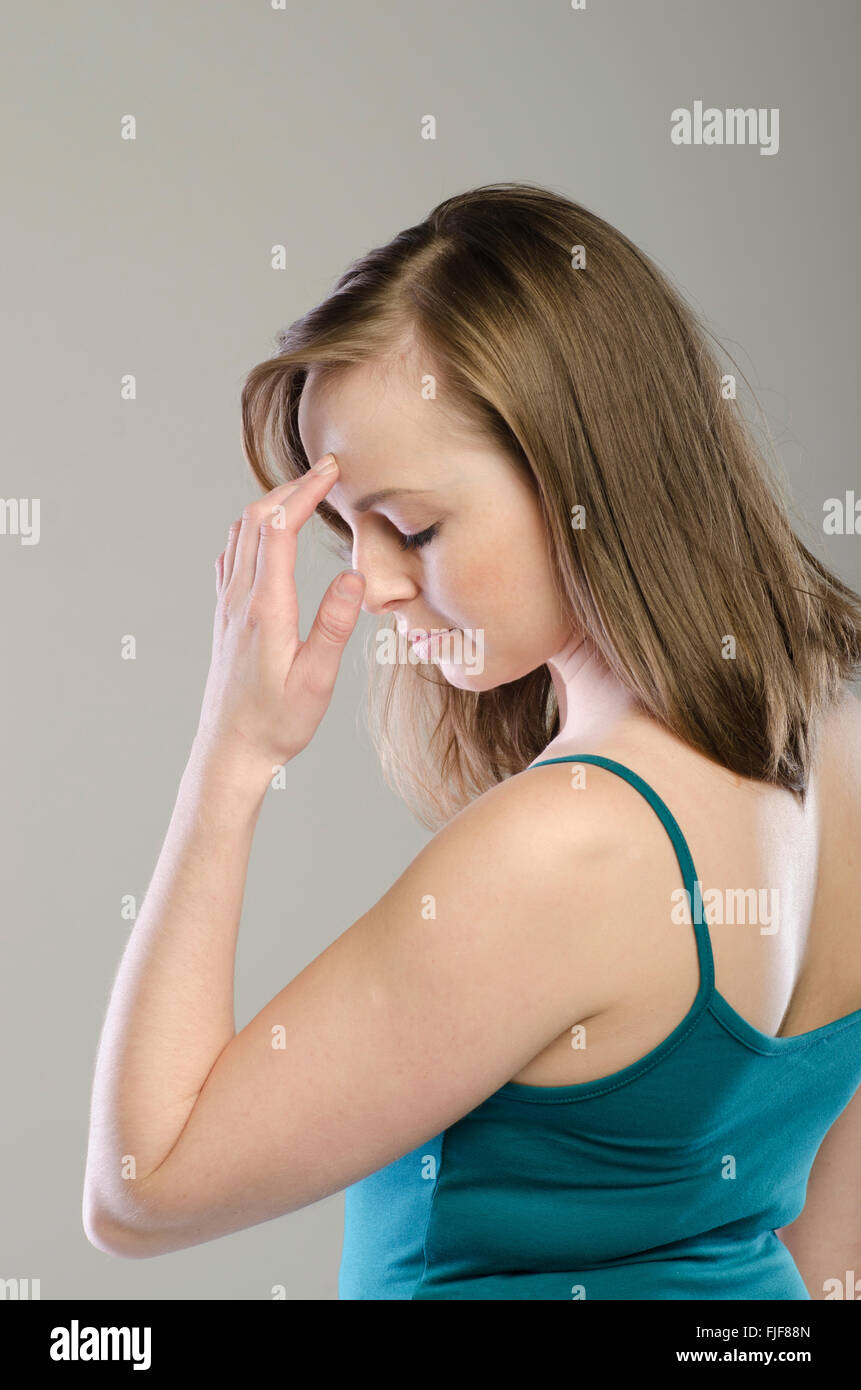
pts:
[424, 639]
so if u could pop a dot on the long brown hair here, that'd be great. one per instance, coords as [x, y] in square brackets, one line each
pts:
[566, 345]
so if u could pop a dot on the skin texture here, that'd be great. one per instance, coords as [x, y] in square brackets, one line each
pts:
[174, 1080]
[488, 567]
[267, 690]
[197, 1130]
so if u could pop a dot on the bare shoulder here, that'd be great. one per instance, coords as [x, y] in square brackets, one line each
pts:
[541, 818]
[546, 855]
[589, 809]
[555, 854]
[532, 850]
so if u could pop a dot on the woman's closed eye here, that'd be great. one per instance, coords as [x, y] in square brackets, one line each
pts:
[418, 538]
[406, 540]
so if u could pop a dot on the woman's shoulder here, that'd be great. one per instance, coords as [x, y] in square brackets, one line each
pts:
[543, 800]
[550, 815]
[563, 823]
[640, 745]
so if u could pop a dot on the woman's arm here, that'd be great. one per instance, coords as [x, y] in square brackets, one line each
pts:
[171, 1009]
[476, 959]
[825, 1240]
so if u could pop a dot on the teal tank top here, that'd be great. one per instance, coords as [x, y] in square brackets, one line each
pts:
[664, 1180]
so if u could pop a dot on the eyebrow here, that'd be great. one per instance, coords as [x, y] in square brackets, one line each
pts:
[371, 498]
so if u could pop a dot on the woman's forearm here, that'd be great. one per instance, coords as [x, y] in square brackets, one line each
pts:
[171, 1010]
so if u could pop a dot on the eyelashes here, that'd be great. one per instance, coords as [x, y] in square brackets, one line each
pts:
[418, 538]
[413, 541]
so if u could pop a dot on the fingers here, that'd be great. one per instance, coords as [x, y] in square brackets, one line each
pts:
[320, 655]
[273, 589]
[230, 551]
[280, 515]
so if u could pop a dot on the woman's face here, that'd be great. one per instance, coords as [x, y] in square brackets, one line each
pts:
[483, 566]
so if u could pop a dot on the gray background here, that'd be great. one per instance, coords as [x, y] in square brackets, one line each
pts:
[302, 127]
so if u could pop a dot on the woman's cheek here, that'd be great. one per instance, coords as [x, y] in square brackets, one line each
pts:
[462, 581]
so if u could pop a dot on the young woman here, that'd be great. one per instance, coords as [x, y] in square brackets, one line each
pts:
[601, 1038]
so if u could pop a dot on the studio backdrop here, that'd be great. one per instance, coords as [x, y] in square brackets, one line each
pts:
[182, 182]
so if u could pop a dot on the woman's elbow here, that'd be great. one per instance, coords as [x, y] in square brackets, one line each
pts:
[111, 1237]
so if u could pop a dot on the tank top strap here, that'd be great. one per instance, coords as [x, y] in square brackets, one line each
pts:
[693, 887]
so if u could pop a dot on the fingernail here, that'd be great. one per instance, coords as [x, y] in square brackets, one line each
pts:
[349, 585]
[326, 464]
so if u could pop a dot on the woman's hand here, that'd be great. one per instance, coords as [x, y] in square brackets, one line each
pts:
[267, 689]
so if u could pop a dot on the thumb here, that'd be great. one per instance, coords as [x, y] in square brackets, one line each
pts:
[336, 618]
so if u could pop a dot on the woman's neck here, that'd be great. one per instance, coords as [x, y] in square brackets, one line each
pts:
[593, 702]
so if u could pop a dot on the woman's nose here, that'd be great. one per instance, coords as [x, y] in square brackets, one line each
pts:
[388, 581]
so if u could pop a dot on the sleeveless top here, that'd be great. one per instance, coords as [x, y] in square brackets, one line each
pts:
[664, 1180]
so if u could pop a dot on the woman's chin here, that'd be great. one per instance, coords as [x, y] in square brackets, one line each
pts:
[464, 677]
